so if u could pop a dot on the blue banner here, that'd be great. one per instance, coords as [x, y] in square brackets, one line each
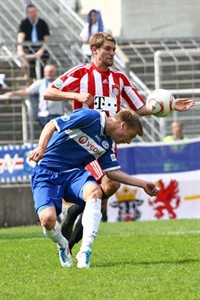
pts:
[137, 158]
[154, 158]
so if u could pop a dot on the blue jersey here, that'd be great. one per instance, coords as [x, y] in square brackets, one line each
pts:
[80, 138]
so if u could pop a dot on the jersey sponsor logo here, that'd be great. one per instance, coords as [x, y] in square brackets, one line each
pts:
[105, 103]
[58, 83]
[83, 139]
[86, 142]
[92, 147]
[105, 144]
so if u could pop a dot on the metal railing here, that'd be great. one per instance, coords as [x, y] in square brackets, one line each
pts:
[160, 66]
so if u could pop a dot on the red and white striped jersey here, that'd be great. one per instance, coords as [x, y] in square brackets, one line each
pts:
[111, 90]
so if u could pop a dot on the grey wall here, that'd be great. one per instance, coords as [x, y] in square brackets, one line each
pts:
[16, 207]
[160, 18]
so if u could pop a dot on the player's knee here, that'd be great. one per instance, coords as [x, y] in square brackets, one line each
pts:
[92, 191]
[48, 221]
[96, 193]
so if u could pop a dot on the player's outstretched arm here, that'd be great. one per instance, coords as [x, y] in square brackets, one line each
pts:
[122, 177]
[182, 104]
[45, 137]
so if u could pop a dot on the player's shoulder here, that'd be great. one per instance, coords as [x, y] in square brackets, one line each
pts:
[88, 112]
[118, 73]
[78, 69]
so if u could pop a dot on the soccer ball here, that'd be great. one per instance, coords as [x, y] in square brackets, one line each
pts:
[160, 102]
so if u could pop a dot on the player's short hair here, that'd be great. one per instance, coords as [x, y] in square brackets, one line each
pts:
[99, 38]
[132, 120]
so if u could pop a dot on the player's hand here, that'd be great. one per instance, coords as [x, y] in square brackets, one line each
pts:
[150, 188]
[182, 104]
[85, 98]
[37, 154]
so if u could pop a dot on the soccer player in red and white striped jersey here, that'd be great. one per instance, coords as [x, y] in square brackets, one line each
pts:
[110, 90]
[98, 86]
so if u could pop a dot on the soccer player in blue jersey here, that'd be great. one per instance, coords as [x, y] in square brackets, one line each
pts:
[66, 145]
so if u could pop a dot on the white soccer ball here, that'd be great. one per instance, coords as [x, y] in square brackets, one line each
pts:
[160, 102]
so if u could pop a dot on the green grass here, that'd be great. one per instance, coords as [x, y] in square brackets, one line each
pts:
[135, 260]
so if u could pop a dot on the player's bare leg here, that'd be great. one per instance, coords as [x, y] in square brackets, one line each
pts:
[52, 230]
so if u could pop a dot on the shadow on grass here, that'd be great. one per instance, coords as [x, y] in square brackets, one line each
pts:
[148, 263]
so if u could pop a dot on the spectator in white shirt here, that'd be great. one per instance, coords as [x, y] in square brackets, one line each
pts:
[47, 110]
[94, 24]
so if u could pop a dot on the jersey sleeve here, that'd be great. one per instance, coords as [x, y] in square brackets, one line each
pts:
[108, 161]
[131, 97]
[70, 81]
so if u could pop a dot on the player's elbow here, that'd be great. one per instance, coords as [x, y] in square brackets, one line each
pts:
[111, 175]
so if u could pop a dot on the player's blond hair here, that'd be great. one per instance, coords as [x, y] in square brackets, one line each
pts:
[132, 120]
[99, 38]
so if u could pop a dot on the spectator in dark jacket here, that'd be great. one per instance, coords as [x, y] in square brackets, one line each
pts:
[33, 29]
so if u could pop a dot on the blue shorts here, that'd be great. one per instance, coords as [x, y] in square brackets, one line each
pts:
[50, 187]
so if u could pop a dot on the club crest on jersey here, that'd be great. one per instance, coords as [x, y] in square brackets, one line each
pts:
[105, 144]
[65, 118]
[58, 83]
[115, 90]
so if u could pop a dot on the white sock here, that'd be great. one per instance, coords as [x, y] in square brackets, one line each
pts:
[91, 220]
[55, 235]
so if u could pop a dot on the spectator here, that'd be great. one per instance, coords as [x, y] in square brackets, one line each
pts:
[47, 110]
[177, 133]
[174, 154]
[94, 24]
[33, 29]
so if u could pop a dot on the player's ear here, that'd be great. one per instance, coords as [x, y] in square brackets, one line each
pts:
[94, 49]
[123, 125]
